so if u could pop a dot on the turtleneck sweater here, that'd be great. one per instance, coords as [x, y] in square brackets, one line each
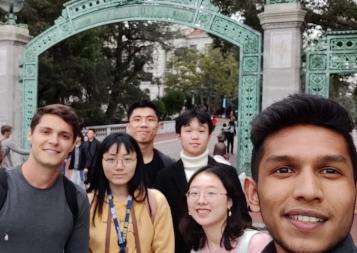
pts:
[192, 164]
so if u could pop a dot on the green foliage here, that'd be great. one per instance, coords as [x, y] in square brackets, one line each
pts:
[98, 71]
[174, 101]
[343, 89]
[161, 107]
[208, 76]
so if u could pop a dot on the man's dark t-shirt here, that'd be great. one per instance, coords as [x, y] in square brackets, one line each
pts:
[152, 168]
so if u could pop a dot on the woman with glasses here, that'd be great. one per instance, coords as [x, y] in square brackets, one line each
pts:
[215, 217]
[126, 216]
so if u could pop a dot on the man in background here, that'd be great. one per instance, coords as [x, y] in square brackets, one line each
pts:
[8, 145]
[220, 153]
[143, 125]
[90, 150]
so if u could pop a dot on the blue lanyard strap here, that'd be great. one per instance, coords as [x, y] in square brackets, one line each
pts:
[121, 235]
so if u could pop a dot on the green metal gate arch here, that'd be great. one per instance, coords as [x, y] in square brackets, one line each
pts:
[80, 15]
[334, 53]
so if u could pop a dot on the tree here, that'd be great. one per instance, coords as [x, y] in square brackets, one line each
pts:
[130, 46]
[98, 70]
[208, 76]
[173, 101]
[344, 91]
[322, 15]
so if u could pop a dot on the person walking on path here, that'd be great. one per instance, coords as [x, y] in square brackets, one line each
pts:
[90, 150]
[7, 145]
[230, 133]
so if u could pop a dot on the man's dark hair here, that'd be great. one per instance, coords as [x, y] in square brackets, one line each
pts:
[91, 129]
[301, 109]
[5, 128]
[63, 111]
[187, 116]
[143, 104]
[220, 149]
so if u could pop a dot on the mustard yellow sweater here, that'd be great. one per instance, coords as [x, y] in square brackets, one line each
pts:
[155, 236]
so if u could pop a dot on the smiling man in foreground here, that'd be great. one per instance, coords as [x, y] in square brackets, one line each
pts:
[42, 211]
[304, 167]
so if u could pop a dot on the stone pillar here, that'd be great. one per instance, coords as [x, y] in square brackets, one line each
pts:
[282, 50]
[13, 39]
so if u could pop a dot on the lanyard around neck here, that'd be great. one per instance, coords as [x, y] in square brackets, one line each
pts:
[121, 235]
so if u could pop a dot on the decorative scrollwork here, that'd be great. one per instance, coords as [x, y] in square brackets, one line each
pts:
[343, 62]
[250, 64]
[334, 53]
[280, 1]
[343, 44]
[318, 62]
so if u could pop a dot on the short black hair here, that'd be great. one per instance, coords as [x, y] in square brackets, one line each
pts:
[91, 129]
[143, 104]
[187, 116]
[301, 109]
[235, 225]
[5, 128]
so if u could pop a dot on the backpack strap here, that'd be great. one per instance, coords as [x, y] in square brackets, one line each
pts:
[1, 153]
[151, 204]
[71, 196]
[3, 187]
[244, 240]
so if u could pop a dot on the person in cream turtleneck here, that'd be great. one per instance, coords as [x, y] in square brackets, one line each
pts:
[194, 130]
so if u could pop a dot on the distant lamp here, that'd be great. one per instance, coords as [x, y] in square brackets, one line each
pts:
[11, 7]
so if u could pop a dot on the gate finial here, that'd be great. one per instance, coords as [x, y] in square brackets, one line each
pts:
[11, 7]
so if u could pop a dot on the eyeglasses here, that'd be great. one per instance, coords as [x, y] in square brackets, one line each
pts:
[113, 162]
[209, 195]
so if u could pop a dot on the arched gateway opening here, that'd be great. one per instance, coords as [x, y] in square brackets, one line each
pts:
[78, 16]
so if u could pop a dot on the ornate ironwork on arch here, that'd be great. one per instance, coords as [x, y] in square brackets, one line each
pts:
[334, 53]
[280, 1]
[81, 15]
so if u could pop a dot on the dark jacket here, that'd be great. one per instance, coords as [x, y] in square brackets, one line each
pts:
[172, 183]
[346, 246]
[166, 160]
[81, 161]
[90, 151]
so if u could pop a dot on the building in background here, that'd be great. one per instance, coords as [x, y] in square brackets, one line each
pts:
[191, 38]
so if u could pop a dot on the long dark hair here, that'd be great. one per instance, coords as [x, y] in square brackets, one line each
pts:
[99, 184]
[239, 220]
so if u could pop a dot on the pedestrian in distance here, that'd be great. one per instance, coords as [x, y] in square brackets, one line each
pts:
[77, 163]
[7, 145]
[90, 151]
[126, 216]
[40, 209]
[220, 153]
[304, 166]
[143, 125]
[230, 133]
[213, 220]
